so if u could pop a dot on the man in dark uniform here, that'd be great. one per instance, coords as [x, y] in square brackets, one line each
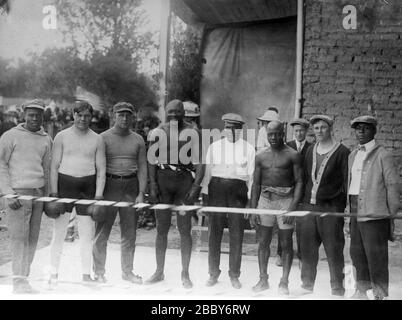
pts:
[300, 144]
[171, 182]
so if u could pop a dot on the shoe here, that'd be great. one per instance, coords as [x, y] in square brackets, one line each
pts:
[156, 277]
[100, 278]
[22, 286]
[212, 281]
[235, 283]
[307, 288]
[131, 277]
[278, 261]
[359, 295]
[338, 292]
[283, 288]
[53, 280]
[87, 279]
[261, 285]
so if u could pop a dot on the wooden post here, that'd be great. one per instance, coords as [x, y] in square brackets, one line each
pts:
[164, 56]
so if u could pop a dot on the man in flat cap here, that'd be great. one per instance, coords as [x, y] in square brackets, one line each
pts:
[269, 115]
[326, 172]
[227, 183]
[192, 114]
[126, 180]
[171, 182]
[24, 170]
[300, 144]
[373, 197]
[277, 185]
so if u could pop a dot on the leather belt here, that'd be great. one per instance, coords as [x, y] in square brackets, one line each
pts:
[115, 176]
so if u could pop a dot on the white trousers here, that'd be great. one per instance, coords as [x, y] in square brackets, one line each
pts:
[86, 230]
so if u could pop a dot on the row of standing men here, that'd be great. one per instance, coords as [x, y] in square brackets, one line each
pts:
[324, 177]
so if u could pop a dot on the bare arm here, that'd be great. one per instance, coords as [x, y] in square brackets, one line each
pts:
[298, 176]
[142, 168]
[100, 164]
[256, 187]
[57, 154]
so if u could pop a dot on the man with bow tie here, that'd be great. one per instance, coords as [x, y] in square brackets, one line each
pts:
[373, 197]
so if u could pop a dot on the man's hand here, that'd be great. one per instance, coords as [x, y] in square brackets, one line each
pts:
[14, 204]
[288, 220]
[255, 220]
[140, 198]
[192, 196]
[153, 193]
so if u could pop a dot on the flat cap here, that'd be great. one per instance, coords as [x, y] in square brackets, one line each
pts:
[233, 118]
[191, 109]
[322, 117]
[34, 104]
[300, 121]
[123, 106]
[363, 119]
[269, 115]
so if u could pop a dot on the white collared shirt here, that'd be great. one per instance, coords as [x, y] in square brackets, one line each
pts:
[300, 145]
[357, 167]
[229, 160]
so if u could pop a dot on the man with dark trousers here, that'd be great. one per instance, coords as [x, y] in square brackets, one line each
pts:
[171, 182]
[326, 172]
[227, 182]
[277, 185]
[374, 198]
[300, 144]
[126, 180]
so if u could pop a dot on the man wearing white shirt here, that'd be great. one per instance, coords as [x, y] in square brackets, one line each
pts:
[227, 182]
[373, 197]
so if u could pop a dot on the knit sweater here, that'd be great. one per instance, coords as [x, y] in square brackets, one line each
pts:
[24, 159]
[334, 179]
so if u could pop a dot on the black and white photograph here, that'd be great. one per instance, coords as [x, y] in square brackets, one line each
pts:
[200, 150]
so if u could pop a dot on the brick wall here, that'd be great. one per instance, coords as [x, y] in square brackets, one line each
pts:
[346, 73]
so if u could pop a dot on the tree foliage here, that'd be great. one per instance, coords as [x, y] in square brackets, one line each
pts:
[185, 72]
[105, 27]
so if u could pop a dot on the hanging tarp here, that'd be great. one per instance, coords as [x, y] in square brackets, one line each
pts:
[248, 69]
[215, 12]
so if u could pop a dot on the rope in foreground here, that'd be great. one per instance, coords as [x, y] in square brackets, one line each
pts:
[186, 208]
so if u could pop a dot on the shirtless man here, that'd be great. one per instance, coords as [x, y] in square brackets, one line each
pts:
[277, 185]
[77, 171]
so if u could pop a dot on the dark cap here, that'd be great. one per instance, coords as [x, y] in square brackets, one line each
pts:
[322, 117]
[233, 118]
[363, 119]
[175, 103]
[34, 104]
[300, 121]
[123, 106]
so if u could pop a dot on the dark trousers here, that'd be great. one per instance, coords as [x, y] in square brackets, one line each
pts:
[117, 190]
[369, 252]
[173, 189]
[226, 193]
[328, 230]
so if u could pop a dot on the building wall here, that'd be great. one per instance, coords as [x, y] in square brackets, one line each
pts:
[348, 73]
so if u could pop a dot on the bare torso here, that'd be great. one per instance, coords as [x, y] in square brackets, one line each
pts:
[277, 166]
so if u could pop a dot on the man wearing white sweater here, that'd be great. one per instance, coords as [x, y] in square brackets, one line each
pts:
[24, 170]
